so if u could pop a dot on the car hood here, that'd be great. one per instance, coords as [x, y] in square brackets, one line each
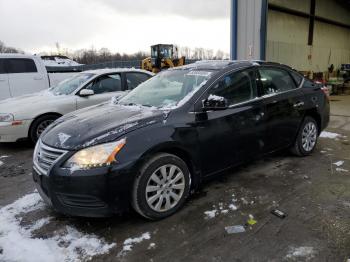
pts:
[28, 102]
[99, 124]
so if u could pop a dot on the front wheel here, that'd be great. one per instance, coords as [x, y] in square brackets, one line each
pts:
[306, 140]
[162, 187]
[39, 125]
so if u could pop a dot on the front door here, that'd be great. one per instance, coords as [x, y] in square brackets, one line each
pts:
[235, 134]
[284, 103]
[105, 87]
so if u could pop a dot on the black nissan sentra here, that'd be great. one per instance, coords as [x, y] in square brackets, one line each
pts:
[155, 145]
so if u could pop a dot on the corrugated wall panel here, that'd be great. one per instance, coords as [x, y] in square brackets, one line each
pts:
[299, 5]
[287, 42]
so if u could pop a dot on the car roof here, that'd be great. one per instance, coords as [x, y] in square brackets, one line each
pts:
[225, 64]
[15, 55]
[116, 70]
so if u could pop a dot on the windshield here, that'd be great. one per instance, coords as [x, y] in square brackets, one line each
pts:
[69, 85]
[168, 89]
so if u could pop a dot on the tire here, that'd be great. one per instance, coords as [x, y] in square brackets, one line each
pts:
[170, 195]
[306, 140]
[39, 125]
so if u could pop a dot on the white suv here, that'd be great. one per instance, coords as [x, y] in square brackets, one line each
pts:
[24, 74]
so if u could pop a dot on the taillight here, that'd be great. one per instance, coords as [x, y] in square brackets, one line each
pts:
[325, 91]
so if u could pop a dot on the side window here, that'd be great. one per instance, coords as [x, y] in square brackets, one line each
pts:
[106, 84]
[297, 77]
[2, 66]
[21, 65]
[134, 79]
[275, 80]
[236, 88]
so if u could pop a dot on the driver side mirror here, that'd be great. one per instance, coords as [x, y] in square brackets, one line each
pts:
[214, 102]
[86, 92]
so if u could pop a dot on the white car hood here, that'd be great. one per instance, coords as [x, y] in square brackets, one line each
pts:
[30, 103]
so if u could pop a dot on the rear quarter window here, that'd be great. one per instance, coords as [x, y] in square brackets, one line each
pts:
[134, 79]
[297, 77]
[21, 65]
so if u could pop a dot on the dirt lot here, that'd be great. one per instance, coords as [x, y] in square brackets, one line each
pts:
[313, 191]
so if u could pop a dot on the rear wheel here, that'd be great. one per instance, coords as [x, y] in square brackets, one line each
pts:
[162, 187]
[306, 140]
[39, 125]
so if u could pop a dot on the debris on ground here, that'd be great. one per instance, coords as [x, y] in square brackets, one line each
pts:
[251, 221]
[235, 229]
[339, 163]
[278, 213]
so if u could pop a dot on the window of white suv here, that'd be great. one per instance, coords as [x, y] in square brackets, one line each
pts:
[21, 65]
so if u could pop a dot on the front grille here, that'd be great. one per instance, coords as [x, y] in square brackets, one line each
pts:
[45, 157]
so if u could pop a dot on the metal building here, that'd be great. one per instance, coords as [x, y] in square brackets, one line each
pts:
[306, 34]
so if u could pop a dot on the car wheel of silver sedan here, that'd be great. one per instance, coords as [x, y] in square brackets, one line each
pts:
[39, 125]
[162, 186]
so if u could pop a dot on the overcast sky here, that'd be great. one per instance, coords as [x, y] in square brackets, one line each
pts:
[120, 25]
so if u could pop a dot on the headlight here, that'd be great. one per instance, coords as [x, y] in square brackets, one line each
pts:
[96, 156]
[6, 118]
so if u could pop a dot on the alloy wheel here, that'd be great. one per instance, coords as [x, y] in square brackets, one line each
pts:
[309, 136]
[42, 126]
[165, 188]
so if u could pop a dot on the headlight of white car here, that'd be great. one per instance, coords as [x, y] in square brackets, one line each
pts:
[6, 118]
[96, 156]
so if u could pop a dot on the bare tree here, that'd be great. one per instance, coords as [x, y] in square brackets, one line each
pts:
[8, 49]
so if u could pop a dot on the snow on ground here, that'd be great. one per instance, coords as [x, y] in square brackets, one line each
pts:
[233, 207]
[301, 252]
[68, 245]
[338, 163]
[326, 134]
[210, 214]
[338, 169]
[130, 242]
[1, 163]
[152, 246]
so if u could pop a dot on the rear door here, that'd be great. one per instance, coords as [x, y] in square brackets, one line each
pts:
[230, 136]
[284, 102]
[105, 87]
[4, 81]
[24, 76]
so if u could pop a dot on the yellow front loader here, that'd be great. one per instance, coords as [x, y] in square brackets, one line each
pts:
[162, 57]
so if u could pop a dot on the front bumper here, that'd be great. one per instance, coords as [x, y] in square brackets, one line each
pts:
[98, 192]
[12, 133]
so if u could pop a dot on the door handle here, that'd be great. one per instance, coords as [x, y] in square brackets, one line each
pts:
[38, 78]
[298, 104]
